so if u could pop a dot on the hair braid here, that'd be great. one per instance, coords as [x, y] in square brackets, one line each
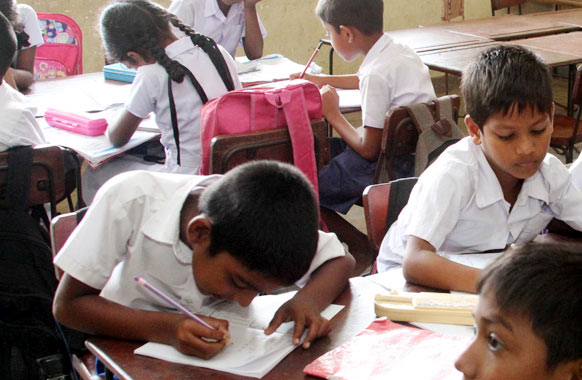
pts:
[174, 69]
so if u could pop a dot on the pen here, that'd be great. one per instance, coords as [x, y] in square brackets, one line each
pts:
[171, 301]
[311, 59]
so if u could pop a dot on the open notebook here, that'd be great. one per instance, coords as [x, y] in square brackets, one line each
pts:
[251, 352]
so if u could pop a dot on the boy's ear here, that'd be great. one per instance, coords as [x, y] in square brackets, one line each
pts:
[473, 129]
[199, 231]
[347, 33]
[571, 370]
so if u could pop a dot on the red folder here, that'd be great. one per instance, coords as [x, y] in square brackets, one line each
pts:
[387, 350]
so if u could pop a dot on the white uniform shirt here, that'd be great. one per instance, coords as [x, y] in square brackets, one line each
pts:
[18, 126]
[576, 172]
[149, 93]
[205, 17]
[391, 75]
[132, 229]
[29, 19]
[458, 206]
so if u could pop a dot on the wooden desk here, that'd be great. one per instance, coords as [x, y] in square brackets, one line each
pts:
[423, 39]
[453, 61]
[511, 27]
[118, 355]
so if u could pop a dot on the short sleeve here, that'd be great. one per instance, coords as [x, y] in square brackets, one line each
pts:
[376, 99]
[184, 10]
[143, 93]
[31, 26]
[99, 243]
[328, 247]
[435, 205]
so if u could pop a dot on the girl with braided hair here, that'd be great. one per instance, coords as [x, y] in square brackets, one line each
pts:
[25, 24]
[175, 77]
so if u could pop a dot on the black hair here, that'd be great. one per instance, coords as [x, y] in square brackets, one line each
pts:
[9, 10]
[365, 15]
[265, 215]
[542, 282]
[502, 77]
[8, 45]
[139, 26]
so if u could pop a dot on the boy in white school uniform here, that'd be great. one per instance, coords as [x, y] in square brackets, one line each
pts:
[18, 126]
[199, 238]
[496, 187]
[390, 76]
[228, 22]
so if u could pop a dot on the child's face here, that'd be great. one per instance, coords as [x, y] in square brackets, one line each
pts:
[505, 347]
[224, 277]
[515, 143]
[341, 42]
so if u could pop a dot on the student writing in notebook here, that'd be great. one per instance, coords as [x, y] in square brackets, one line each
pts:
[18, 126]
[391, 75]
[528, 316]
[193, 67]
[29, 36]
[496, 187]
[228, 22]
[199, 238]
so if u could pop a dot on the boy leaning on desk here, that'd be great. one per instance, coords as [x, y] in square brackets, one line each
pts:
[496, 187]
[199, 238]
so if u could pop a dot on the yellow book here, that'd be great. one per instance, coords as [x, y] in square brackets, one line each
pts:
[427, 307]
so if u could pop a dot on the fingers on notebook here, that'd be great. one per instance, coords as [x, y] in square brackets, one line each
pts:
[317, 326]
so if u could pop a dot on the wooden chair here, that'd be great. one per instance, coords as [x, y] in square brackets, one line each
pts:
[382, 205]
[56, 173]
[228, 151]
[453, 9]
[499, 4]
[399, 138]
[567, 131]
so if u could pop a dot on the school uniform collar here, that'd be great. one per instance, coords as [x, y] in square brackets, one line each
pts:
[211, 8]
[376, 49]
[164, 225]
[489, 189]
[178, 47]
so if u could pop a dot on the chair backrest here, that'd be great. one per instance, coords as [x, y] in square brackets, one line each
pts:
[61, 227]
[499, 4]
[56, 173]
[228, 151]
[400, 136]
[61, 54]
[382, 205]
[453, 9]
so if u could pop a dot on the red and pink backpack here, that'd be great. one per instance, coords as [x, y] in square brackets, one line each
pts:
[61, 54]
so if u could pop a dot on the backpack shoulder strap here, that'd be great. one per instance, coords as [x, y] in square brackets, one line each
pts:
[18, 178]
[421, 116]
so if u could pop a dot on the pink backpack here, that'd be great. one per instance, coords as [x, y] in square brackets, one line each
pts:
[61, 54]
[257, 109]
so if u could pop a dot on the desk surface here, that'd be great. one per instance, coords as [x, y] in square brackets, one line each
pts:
[424, 39]
[511, 27]
[454, 60]
[359, 313]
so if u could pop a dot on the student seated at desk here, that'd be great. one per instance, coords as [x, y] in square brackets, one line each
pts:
[390, 76]
[29, 36]
[18, 126]
[137, 33]
[224, 237]
[496, 187]
[228, 22]
[528, 316]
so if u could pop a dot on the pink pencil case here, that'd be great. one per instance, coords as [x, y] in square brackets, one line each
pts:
[75, 123]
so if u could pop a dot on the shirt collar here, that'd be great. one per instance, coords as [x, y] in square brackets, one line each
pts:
[376, 49]
[489, 189]
[164, 225]
[211, 8]
[178, 47]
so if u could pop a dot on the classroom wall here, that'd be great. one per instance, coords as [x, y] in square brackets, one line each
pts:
[293, 29]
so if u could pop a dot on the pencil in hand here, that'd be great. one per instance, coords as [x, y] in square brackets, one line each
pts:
[311, 59]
